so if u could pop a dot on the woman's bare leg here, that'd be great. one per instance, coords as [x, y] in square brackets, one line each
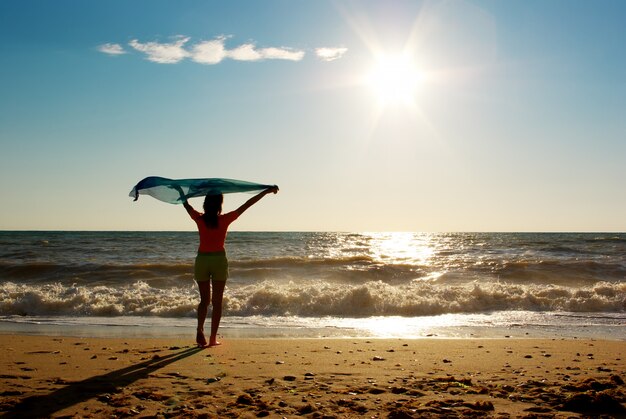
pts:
[216, 316]
[203, 308]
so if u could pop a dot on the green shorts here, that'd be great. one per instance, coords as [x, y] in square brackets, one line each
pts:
[211, 265]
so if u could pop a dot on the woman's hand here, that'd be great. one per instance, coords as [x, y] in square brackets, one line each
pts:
[272, 189]
[182, 197]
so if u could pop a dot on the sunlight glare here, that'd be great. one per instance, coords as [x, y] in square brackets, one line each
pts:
[395, 79]
[401, 247]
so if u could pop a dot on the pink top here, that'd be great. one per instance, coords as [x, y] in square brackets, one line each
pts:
[212, 239]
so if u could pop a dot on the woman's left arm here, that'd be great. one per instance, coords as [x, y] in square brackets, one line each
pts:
[255, 199]
[183, 198]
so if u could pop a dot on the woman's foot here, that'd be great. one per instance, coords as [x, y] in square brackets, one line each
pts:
[200, 338]
[214, 341]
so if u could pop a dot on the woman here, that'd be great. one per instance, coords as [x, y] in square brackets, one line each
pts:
[211, 267]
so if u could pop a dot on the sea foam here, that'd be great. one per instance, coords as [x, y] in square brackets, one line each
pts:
[316, 298]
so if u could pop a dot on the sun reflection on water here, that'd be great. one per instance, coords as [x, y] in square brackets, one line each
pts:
[400, 247]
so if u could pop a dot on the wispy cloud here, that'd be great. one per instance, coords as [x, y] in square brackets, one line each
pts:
[163, 53]
[282, 54]
[209, 52]
[249, 52]
[330, 54]
[111, 49]
[245, 52]
[214, 51]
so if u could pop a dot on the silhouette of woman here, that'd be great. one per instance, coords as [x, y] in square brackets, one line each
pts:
[211, 265]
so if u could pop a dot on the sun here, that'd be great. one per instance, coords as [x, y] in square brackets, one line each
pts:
[394, 79]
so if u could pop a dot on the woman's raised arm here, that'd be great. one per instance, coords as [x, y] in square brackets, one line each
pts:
[255, 199]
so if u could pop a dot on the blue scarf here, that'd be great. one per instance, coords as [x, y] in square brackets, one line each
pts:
[177, 191]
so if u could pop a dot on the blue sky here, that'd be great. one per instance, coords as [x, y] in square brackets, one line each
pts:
[512, 119]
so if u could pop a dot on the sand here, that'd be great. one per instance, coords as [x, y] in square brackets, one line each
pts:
[317, 378]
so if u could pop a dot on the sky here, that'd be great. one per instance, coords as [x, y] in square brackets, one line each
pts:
[482, 115]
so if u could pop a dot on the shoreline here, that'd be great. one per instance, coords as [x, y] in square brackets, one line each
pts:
[491, 326]
[347, 377]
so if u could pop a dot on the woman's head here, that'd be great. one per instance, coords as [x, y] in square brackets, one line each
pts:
[213, 204]
[212, 208]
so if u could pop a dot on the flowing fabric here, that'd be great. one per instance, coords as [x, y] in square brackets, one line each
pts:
[177, 191]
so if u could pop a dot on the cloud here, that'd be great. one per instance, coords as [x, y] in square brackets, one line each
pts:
[330, 54]
[282, 54]
[214, 51]
[248, 52]
[163, 53]
[111, 49]
[209, 52]
[245, 52]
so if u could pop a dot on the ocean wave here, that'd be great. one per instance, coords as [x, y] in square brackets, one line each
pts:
[138, 299]
[617, 238]
[348, 269]
[420, 299]
[315, 299]
[559, 271]
[291, 262]
[94, 273]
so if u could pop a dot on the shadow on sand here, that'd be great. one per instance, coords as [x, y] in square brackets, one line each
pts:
[80, 391]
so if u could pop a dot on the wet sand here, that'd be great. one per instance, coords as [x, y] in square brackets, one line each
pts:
[317, 378]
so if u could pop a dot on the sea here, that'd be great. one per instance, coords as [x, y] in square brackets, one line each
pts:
[319, 284]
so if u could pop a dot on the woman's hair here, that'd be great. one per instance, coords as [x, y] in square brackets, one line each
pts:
[212, 208]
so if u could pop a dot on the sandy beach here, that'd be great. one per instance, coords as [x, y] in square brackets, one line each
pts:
[318, 378]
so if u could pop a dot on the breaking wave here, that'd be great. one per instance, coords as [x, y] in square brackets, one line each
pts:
[314, 299]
